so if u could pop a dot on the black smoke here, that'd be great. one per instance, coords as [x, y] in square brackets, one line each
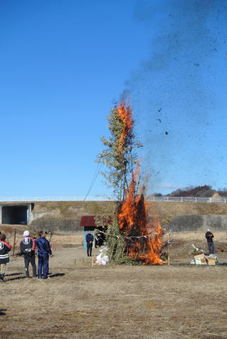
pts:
[176, 92]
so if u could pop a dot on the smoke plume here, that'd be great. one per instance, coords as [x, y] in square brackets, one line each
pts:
[178, 91]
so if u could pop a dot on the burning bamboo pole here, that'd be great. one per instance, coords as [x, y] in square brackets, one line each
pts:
[131, 235]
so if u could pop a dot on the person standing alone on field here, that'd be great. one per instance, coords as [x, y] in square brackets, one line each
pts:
[209, 236]
[89, 240]
[5, 247]
[44, 250]
[27, 249]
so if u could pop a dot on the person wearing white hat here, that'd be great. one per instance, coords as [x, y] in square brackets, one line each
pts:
[27, 248]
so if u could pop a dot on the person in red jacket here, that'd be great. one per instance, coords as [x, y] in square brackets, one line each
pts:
[5, 247]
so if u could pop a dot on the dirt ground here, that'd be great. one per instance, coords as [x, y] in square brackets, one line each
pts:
[117, 301]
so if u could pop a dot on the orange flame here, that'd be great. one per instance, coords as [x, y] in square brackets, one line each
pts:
[154, 246]
[125, 115]
[143, 239]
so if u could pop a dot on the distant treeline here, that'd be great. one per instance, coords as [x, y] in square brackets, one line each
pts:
[199, 191]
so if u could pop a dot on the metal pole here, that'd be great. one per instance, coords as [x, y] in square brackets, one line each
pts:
[51, 235]
[14, 241]
[168, 259]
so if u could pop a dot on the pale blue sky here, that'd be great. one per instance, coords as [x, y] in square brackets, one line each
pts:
[64, 63]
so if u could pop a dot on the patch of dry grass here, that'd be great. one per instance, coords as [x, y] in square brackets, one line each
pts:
[115, 301]
[181, 245]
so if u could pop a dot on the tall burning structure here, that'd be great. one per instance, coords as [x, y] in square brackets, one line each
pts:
[131, 235]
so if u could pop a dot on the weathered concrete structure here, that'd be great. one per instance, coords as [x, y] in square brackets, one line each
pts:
[65, 216]
[16, 213]
[60, 216]
[199, 223]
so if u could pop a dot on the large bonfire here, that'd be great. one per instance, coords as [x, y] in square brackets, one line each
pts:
[139, 237]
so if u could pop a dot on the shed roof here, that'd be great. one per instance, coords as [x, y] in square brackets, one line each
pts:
[87, 220]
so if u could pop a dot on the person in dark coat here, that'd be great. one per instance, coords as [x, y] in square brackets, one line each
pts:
[44, 251]
[209, 237]
[99, 239]
[89, 240]
[27, 249]
[5, 247]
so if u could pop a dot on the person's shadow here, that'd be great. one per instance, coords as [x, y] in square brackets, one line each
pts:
[20, 276]
[2, 311]
[15, 276]
[12, 274]
[56, 275]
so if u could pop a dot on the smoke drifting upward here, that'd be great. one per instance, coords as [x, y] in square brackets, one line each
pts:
[179, 92]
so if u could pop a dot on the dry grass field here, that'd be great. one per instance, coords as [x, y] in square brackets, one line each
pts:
[85, 301]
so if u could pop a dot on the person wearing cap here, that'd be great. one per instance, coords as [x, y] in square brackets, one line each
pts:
[27, 249]
[5, 247]
[209, 237]
[44, 251]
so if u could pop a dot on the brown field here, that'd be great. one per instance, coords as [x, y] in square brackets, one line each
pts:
[85, 301]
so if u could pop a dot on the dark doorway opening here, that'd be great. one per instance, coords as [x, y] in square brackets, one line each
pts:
[15, 215]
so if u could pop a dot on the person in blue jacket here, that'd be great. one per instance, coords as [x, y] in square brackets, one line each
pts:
[89, 240]
[44, 250]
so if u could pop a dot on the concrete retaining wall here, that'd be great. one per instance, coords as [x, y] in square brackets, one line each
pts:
[64, 216]
[199, 223]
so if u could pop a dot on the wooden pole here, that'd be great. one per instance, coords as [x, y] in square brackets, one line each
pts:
[14, 241]
[93, 258]
[50, 238]
[168, 259]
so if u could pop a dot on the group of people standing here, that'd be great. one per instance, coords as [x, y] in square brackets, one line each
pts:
[99, 241]
[29, 247]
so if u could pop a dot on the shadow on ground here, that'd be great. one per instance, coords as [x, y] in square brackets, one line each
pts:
[2, 311]
[12, 274]
[20, 276]
[56, 275]
[16, 278]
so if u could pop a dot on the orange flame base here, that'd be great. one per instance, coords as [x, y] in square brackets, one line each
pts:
[143, 239]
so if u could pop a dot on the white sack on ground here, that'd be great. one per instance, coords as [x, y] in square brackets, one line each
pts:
[102, 258]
